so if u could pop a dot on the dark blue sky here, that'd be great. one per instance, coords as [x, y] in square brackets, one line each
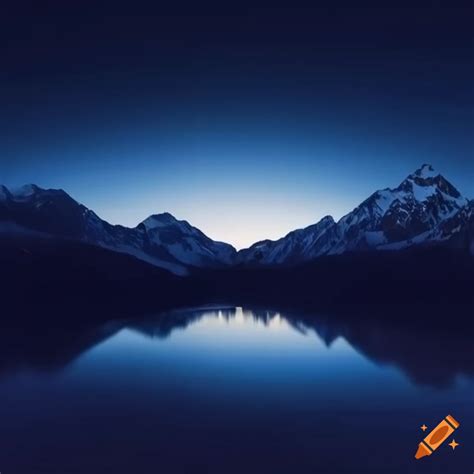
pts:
[246, 121]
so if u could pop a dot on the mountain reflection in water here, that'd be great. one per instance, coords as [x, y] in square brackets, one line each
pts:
[430, 357]
[231, 391]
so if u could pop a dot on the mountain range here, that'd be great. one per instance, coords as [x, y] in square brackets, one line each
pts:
[424, 210]
[160, 239]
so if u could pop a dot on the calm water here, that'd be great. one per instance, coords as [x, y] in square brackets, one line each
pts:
[231, 391]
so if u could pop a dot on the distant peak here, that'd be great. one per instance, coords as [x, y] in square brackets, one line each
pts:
[163, 216]
[425, 182]
[159, 220]
[423, 176]
[327, 219]
[31, 190]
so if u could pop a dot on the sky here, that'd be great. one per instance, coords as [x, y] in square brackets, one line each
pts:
[247, 121]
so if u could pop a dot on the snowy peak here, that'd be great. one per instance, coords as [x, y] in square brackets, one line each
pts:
[400, 217]
[425, 186]
[33, 193]
[159, 220]
[420, 186]
[160, 240]
[186, 243]
[424, 208]
[166, 222]
[326, 221]
[426, 182]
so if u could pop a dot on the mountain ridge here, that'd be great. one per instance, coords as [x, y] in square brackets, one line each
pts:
[176, 246]
[389, 219]
[424, 209]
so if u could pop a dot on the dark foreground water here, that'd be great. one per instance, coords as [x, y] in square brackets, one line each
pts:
[232, 391]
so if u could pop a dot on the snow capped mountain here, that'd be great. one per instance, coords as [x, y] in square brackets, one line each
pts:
[424, 208]
[186, 243]
[160, 240]
[392, 218]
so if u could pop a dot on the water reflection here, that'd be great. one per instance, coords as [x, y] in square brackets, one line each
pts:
[231, 390]
[45, 348]
[429, 358]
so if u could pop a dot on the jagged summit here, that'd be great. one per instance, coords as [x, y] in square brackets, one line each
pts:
[425, 171]
[426, 182]
[392, 218]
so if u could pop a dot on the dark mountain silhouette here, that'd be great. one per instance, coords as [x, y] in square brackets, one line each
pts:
[425, 209]
[58, 258]
[60, 278]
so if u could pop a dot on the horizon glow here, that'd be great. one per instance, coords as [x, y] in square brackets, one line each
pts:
[239, 215]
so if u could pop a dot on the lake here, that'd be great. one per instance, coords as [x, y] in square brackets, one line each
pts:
[232, 390]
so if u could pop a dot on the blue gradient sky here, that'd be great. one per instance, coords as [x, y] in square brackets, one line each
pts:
[246, 122]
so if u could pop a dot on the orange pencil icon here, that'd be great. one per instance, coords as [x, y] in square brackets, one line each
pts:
[436, 437]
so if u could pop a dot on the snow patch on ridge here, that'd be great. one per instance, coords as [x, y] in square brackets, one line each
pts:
[422, 193]
[134, 252]
[384, 200]
[159, 220]
[24, 192]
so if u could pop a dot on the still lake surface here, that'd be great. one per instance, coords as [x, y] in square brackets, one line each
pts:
[232, 390]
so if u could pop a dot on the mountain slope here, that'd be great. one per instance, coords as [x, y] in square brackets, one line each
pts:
[297, 246]
[186, 243]
[393, 218]
[66, 280]
[160, 240]
[425, 208]
[458, 230]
